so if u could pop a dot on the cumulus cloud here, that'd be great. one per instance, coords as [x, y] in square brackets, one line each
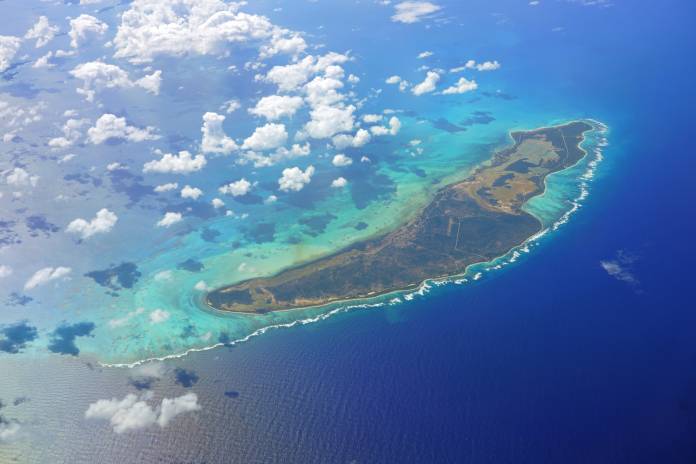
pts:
[425, 54]
[191, 192]
[392, 80]
[339, 182]
[326, 121]
[217, 203]
[214, 138]
[46, 275]
[266, 137]
[428, 85]
[134, 413]
[71, 133]
[463, 85]
[96, 75]
[18, 177]
[42, 31]
[83, 27]
[183, 163]
[236, 189]
[109, 126]
[485, 66]
[203, 27]
[393, 129]
[294, 179]
[8, 49]
[341, 160]
[275, 107]
[102, 223]
[158, 316]
[282, 43]
[166, 187]
[293, 76]
[413, 11]
[169, 219]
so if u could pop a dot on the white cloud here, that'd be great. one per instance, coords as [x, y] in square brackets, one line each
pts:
[326, 121]
[283, 43]
[462, 86]
[166, 187]
[372, 118]
[109, 126]
[214, 138]
[122, 321]
[102, 223]
[198, 27]
[230, 106]
[42, 31]
[266, 137]
[339, 182]
[8, 49]
[169, 219]
[485, 66]
[183, 163]
[158, 316]
[392, 80]
[172, 407]
[217, 203]
[425, 54]
[9, 431]
[191, 192]
[18, 177]
[341, 160]
[45, 275]
[96, 75]
[236, 189]
[428, 85]
[71, 133]
[84, 26]
[393, 129]
[292, 76]
[324, 91]
[201, 286]
[361, 138]
[270, 200]
[134, 413]
[275, 107]
[5, 271]
[413, 11]
[294, 179]
[42, 62]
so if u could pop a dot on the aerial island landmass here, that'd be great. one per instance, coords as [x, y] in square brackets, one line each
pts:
[467, 222]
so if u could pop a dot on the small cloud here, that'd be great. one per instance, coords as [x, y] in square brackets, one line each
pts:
[102, 223]
[45, 275]
[158, 316]
[413, 11]
[169, 219]
[134, 413]
[621, 268]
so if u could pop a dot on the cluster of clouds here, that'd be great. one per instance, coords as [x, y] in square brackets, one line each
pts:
[97, 75]
[111, 127]
[133, 412]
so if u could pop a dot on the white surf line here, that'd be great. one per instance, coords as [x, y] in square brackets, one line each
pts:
[510, 257]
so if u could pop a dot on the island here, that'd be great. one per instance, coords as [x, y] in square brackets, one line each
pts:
[471, 221]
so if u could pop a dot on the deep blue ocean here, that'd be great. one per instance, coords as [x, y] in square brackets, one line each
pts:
[551, 360]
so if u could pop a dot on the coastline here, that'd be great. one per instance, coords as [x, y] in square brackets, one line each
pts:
[401, 296]
[400, 289]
